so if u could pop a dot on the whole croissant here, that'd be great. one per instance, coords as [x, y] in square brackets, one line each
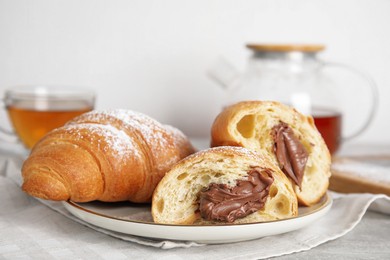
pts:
[115, 155]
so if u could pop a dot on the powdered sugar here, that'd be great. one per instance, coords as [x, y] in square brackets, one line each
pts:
[151, 130]
[105, 137]
[230, 150]
[375, 173]
[142, 129]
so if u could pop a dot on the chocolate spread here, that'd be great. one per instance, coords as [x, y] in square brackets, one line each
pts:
[291, 154]
[224, 203]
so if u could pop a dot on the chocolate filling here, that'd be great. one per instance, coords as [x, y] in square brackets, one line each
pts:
[224, 203]
[290, 153]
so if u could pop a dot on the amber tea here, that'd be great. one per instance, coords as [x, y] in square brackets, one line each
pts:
[36, 110]
[31, 125]
[328, 124]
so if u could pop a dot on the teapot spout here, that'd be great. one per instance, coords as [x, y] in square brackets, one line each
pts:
[223, 73]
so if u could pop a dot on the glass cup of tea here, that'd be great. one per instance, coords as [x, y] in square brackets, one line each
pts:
[36, 110]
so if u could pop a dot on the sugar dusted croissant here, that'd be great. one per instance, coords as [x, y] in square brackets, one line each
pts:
[224, 185]
[109, 156]
[290, 138]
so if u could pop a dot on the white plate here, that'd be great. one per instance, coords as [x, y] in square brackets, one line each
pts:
[134, 219]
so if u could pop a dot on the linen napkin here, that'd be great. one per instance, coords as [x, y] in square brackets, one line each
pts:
[19, 212]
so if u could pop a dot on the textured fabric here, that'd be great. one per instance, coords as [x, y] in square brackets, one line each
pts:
[31, 229]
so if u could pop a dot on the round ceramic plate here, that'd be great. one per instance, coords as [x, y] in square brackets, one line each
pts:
[135, 219]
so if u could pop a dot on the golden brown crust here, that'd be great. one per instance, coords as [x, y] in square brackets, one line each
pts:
[249, 124]
[110, 156]
[175, 200]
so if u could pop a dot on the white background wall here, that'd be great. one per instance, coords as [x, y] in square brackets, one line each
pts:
[152, 56]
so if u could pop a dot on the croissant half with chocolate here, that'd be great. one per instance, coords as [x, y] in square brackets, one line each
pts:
[290, 138]
[224, 185]
[115, 155]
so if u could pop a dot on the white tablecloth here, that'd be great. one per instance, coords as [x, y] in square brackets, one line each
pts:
[30, 229]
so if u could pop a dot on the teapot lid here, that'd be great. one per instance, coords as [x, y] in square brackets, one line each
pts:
[285, 47]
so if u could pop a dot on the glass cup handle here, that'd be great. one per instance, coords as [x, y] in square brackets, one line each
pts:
[7, 132]
[12, 146]
[374, 90]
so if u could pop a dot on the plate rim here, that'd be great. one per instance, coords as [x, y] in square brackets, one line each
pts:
[326, 201]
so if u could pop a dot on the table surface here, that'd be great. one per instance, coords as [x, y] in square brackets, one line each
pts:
[368, 240]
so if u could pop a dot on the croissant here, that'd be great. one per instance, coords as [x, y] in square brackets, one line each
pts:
[114, 155]
[224, 185]
[290, 138]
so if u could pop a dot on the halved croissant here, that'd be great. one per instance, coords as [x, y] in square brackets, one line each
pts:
[114, 155]
[280, 131]
[224, 185]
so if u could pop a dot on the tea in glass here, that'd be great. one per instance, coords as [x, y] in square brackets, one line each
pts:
[34, 111]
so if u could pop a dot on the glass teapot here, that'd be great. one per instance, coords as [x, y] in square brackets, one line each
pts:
[295, 75]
